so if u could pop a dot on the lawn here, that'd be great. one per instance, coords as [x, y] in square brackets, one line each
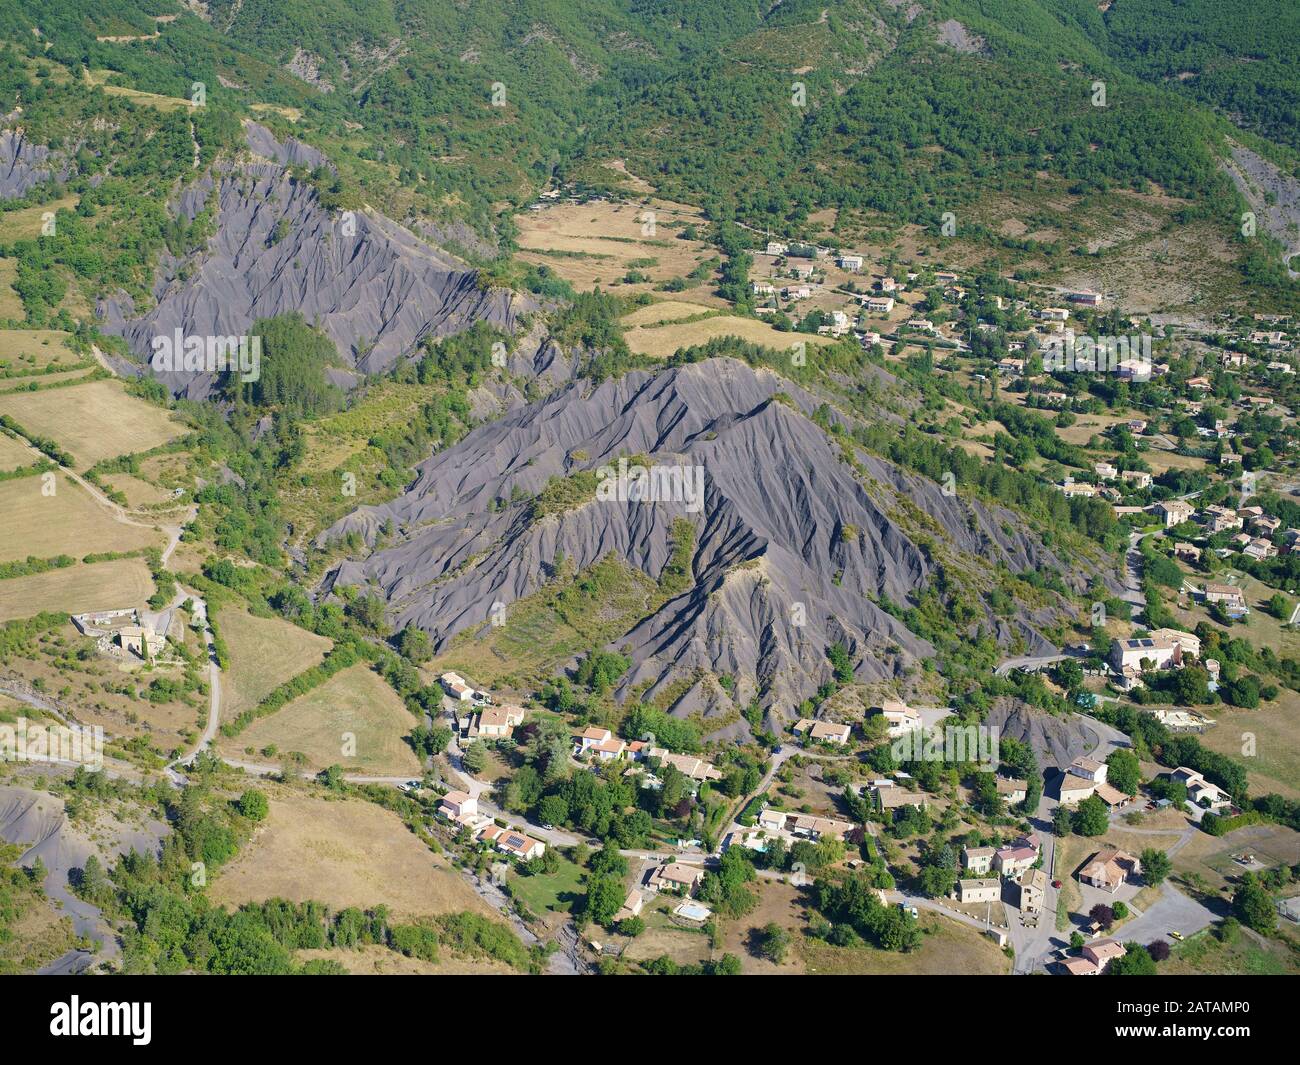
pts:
[23, 351]
[354, 720]
[94, 421]
[1273, 734]
[1241, 954]
[946, 948]
[342, 853]
[550, 892]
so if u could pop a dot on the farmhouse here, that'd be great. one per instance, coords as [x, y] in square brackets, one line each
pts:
[1090, 769]
[823, 731]
[1011, 791]
[458, 806]
[977, 860]
[1131, 654]
[851, 263]
[989, 890]
[878, 304]
[455, 686]
[497, 722]
[1033, 890]
[1076, 789]
[1109, 868]
[1174, 512]
[900, 717]
[1200, 790]
[512, 842]
[695, 768]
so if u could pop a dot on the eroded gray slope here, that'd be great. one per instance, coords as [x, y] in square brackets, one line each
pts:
[791, 545]
[375, 288]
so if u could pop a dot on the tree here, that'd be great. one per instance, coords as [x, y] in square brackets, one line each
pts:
[631, 927]
[553, 810]
[1076, 940]
[253, 805]
[1135, 962]
[604, 899]
[1103, 915]
[771, 942]
[414, 644]
[1253, 907]
[1092, 817]
[474, 757]
[1062, 821]
[1124, 771]
[1156, 865]
[1158, 949]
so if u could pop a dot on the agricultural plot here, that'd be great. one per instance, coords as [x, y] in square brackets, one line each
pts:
[102, 586]
[95, 421]
[27, 351]
[69, 522]
[15, 453]
[26, 223]
[264, 653]
[347, 853]
[354, 720]
[660, 341]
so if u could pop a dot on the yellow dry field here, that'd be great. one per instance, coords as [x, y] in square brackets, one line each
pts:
[342, 852]
[138, 493]
[10, 305]
[26, 223]
[264, 653]
[136, 96]
[354, 720]
[94, 421]
[661, 341]
[69, 522]
[596, 244]
[15, 453]
[25, 350]
[102, 586]
[664, 311]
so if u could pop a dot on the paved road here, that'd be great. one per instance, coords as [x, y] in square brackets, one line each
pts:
[1173, 912]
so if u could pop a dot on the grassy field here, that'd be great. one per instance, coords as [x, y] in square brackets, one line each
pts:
[25, 223]
[947, 947]
[68, 522]
[25, 350]
[597, 244]
[94, 421]
[1208, 859]
[370, 959]
[356, 702]
[10, 305]
[664, 311]
[1275, 731]
[342, 853]
[550, 892]
[103, 586]
[660, 341]
[551, 626]
[136, 96]
[1242, 953]
[15, 453]
[264, 653]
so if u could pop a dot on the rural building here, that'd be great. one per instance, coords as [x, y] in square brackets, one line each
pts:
[1076, 789]
[1200, 790]
[1131, 654]
[1011, 791]
[497, 722]
[676, 878]
[1090, 769]
[989, 890]
[695, 768]
[1109, 868]
[823, 731]
[513, 842]
[1174, 512]
[600, 743]
[1033, 890]
[1013, 861]
[977, 860]
[900, 717]
[458, 806]
[851, 263]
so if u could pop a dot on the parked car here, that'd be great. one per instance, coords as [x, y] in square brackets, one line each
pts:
[1056, 884]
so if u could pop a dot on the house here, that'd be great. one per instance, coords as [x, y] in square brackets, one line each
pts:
[1071, 488]
[1187, 552]
[599, 742]
[989, 890]
[455, 686]
[776, 247]
[141, 641]
[1259, 549]
[1136, 426]
[513, 842]
[822, 731]
[803, 271]
[1265, 524]
[1094, 958]
[895, 798]
[1105, 471]
[1199, 790]
[1137, 478]
[1089, 769]
[851, 263]
[888, 284]
[1109, 868]
[763, 288]
[1011, 367]
[1221, 519]
[1033, 890]
[1290, 909]
[878, 304]
[900, 717]
[1174, 512]
[498, 722]
[1131, 654]
[1011, 791]
[1076, 789]
[458, 806]
[1088, 299]
[1201, 384]
[798, 292]
[944, 277]
[1187, 642]
[1054, 314]
[977, 860]
[1013, 861]
[1112, 796]
[631, 907]
[677, 878]
[804, 826]
[695, 768]
[1227, 596]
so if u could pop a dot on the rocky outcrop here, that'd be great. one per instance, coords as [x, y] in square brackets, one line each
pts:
[375, 288]
[791, 544]
[24, 165]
